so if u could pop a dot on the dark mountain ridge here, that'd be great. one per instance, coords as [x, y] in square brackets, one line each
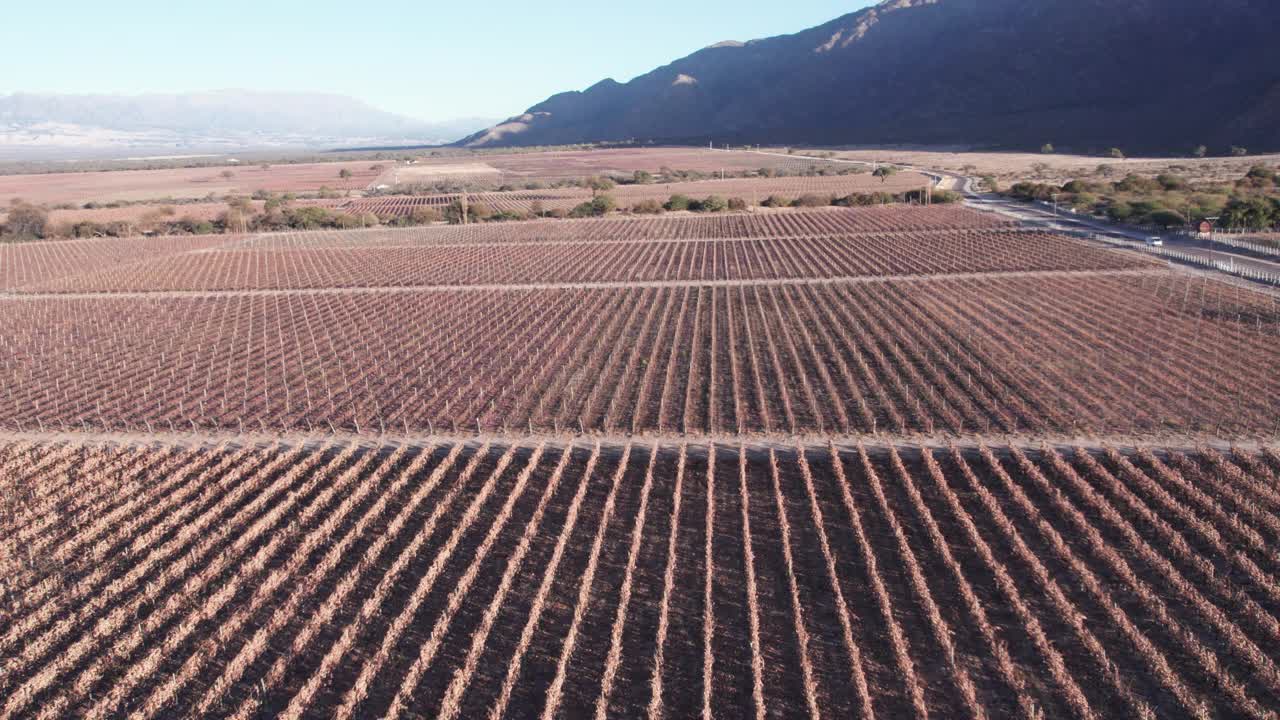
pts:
[1144, 75]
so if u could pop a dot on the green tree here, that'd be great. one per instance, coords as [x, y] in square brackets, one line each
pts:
[1116, 153]
[642, 177]
[598, 184]
[344, 173]
[1047, 148]
[1238, 151]
[884, 172]
[1200, 151]
[1255, 213]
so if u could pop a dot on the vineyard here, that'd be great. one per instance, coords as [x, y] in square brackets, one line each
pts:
[30, 263]
[736, 226]
[1052, 352]
[843, 463]
[345, 579]
[919, 253]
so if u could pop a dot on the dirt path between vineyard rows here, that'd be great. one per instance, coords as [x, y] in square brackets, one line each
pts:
[757, 442]
[610, 285]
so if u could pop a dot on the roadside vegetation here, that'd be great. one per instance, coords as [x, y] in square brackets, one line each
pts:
[1169, 200]
[274, 212]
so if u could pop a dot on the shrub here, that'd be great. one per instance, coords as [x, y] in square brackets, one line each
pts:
[1238, 151]
[1170, 181]
[1137, 184]
[1119, 211]
[26, 220]
[1167, 218]
[678, 202]
[479, 211]
[714, 203]
[346, 222]
[1261, 172]
[774, 201]
[810, 200]
[737, 204]
[584, 210]
[1116, 153]
[424, 215]
[309, 218]
[1047, 148]
[1032, 191]
[647, 207]
[603, 204]
[598, 184]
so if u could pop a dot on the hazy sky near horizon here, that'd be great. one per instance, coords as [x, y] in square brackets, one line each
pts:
[429, 60]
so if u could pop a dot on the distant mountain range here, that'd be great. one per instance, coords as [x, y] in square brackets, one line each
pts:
[1142, 75]
[192, 122]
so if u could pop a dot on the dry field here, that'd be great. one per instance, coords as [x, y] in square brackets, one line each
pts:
[458, 580]
[568, 165]
[874, 462]
[1015, 167]
[753, 190]
[185, 183]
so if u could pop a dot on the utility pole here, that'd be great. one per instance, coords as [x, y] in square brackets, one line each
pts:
[1055, 204]
[1213, 234]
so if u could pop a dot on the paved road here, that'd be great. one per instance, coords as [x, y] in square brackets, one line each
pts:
[1040, 215]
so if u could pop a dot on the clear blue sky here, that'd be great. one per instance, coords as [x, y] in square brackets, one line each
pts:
[425, 59]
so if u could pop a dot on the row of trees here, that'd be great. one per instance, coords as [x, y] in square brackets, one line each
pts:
[1199, 151]
[1169, 200]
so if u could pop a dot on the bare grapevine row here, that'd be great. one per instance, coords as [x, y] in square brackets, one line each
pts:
[667, 580]
[899, 254]
[1154, 352]
[799, 223]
